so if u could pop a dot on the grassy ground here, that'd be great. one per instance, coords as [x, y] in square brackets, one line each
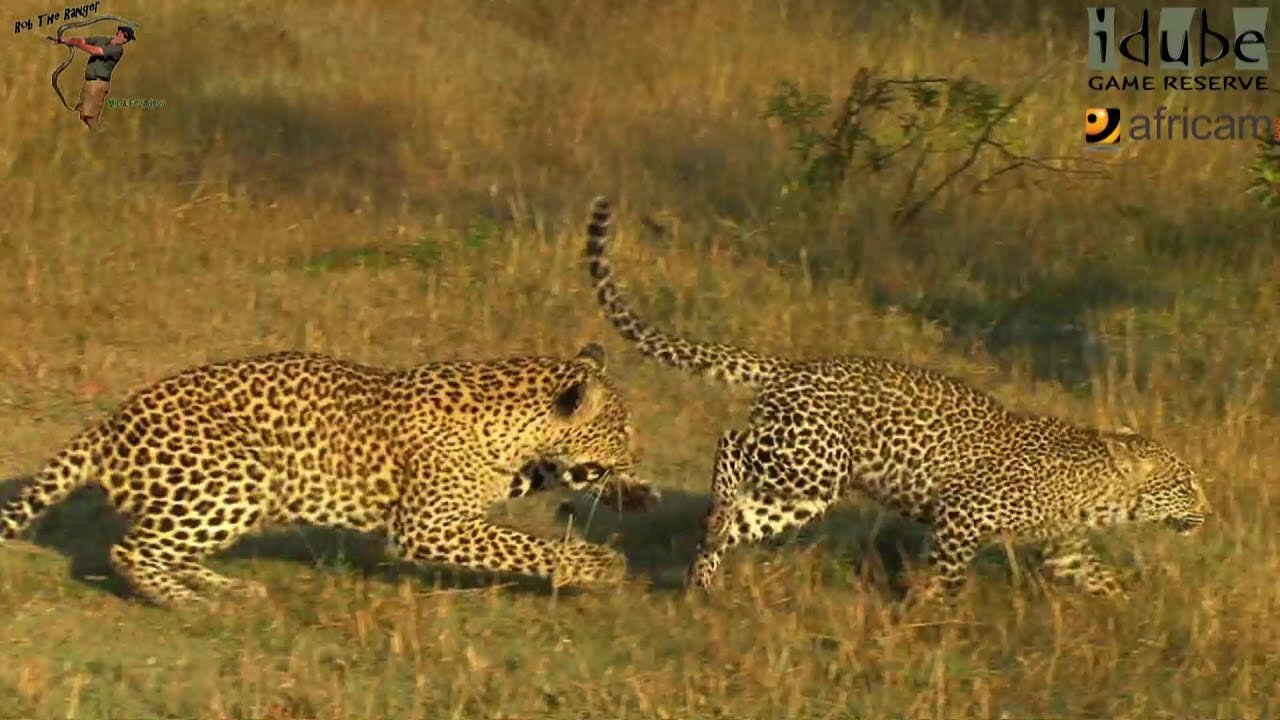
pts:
[392, 184]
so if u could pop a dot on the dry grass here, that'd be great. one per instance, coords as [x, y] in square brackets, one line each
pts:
[300, 148]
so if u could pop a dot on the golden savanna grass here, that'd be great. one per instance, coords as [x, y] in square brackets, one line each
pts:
[393, 182]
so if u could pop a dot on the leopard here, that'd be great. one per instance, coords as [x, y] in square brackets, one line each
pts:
[923, 444]
[417, 455]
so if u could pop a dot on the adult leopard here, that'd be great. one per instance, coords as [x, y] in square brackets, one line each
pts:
[201, 458]
[926, 445]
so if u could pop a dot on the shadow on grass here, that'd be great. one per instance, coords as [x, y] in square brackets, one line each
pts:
[863, 544]
[1020, 302]
[1038, 305]
[1045, 323]
[84, 527]
[866, 545]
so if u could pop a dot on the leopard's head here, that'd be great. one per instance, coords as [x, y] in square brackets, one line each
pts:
[1158, 485]
[590, 431]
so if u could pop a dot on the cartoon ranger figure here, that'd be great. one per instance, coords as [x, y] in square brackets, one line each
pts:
[104, 54]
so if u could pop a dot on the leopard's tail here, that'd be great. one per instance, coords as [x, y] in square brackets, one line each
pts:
[70, 469]
[722, 362]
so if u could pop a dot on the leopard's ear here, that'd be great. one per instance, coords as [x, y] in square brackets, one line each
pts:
[1131, 464]
[593, 355]
[580, 401]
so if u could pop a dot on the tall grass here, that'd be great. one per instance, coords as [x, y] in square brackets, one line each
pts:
[394, 182]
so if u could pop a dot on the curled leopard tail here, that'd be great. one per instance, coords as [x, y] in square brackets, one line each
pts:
[722, 362]
[67, 471]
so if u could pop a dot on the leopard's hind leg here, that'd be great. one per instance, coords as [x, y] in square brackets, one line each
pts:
[192, 511]
[758, 490]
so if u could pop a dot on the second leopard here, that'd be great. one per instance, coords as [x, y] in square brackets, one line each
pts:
[929, 446]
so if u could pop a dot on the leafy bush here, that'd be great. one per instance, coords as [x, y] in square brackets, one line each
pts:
[1264, 174]
[935, 132]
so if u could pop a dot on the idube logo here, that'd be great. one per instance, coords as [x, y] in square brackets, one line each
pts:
[1245, 44]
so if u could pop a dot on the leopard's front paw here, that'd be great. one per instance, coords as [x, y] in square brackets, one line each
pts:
[246, 590]
[1105, 584]
[582, 563]
[639, 497]
[931, 591]
[628, 495]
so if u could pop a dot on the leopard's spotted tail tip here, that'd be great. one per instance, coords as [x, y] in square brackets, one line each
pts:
[598, 228]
